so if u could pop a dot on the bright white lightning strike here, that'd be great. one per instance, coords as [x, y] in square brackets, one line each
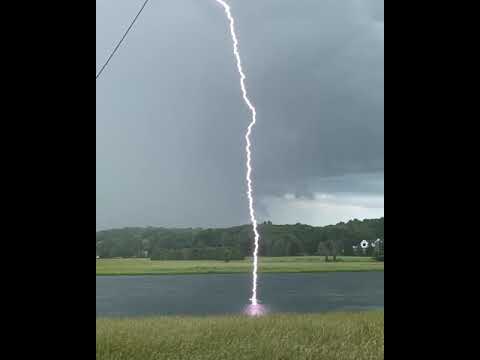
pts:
[226, 7]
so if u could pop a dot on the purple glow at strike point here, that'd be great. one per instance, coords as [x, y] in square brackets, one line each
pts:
[255, 310]
[254, 307]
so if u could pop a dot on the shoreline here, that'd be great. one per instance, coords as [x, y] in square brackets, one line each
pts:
[239, 272]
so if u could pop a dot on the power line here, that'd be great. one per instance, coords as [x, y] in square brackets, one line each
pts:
[123, 38]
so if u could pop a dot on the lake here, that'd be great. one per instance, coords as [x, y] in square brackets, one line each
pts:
[229, 293]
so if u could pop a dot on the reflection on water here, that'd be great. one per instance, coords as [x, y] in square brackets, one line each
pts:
[228, 293]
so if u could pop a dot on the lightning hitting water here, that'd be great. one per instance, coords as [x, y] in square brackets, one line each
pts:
[255, 308]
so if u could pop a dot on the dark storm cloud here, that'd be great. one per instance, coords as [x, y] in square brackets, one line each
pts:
[170, 120]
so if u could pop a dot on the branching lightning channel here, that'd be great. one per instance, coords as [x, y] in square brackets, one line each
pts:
[248, 146]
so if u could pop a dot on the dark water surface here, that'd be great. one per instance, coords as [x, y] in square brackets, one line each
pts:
[229, 293]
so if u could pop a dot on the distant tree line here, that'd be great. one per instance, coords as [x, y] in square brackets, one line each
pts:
[205, 253]
[237, 242]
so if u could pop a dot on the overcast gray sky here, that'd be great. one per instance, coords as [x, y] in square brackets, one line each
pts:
[170, 121]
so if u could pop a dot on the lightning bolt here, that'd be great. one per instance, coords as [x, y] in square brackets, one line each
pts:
[248, 146]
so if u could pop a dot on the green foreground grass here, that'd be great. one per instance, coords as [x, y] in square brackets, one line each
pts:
[355, 336]
[266, 265]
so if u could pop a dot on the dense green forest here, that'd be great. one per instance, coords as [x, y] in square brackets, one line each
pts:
[237, 242]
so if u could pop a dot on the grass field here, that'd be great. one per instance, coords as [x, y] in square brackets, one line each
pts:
[266, 265]
[355, 336]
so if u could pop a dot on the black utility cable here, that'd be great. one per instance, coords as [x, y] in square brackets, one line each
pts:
[121, 40]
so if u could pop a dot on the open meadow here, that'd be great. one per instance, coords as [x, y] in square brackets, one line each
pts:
[331, 336]
[266, 265]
